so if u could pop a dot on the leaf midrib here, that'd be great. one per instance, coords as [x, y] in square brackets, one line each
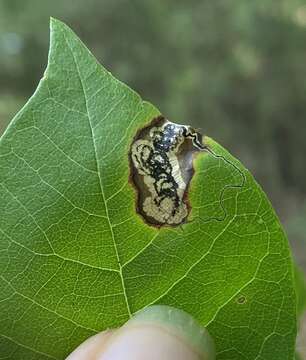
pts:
[100, 180]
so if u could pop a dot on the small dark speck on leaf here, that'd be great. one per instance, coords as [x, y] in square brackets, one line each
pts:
[241, 299]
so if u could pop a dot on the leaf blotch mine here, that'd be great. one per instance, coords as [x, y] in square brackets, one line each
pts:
[161, 162]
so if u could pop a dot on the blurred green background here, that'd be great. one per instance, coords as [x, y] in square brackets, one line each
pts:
[234, 68]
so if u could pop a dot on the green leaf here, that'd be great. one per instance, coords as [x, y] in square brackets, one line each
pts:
[76, 258]
[300, 287]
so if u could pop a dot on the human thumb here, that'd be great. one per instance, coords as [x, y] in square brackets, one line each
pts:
[157, 332]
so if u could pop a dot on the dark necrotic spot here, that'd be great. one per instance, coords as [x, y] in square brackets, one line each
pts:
[161, 168]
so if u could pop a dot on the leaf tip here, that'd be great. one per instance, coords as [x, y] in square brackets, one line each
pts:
[56, 24]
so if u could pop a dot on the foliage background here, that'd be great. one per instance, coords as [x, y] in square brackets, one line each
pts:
[234, 68]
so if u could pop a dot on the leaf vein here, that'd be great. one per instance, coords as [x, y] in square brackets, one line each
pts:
[100, 180]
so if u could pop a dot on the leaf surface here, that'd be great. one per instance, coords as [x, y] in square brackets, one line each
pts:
[76, 258]
[300, 288]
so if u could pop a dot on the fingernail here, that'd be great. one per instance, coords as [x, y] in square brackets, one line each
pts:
[180, 324]
[160, 332]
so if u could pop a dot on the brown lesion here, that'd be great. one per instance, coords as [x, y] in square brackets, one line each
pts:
[161, 162]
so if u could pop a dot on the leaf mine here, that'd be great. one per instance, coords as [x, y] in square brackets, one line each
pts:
[161, 157]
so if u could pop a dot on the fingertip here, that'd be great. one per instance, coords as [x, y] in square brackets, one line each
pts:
[160, 332]
[156, 332]
[91, 348]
